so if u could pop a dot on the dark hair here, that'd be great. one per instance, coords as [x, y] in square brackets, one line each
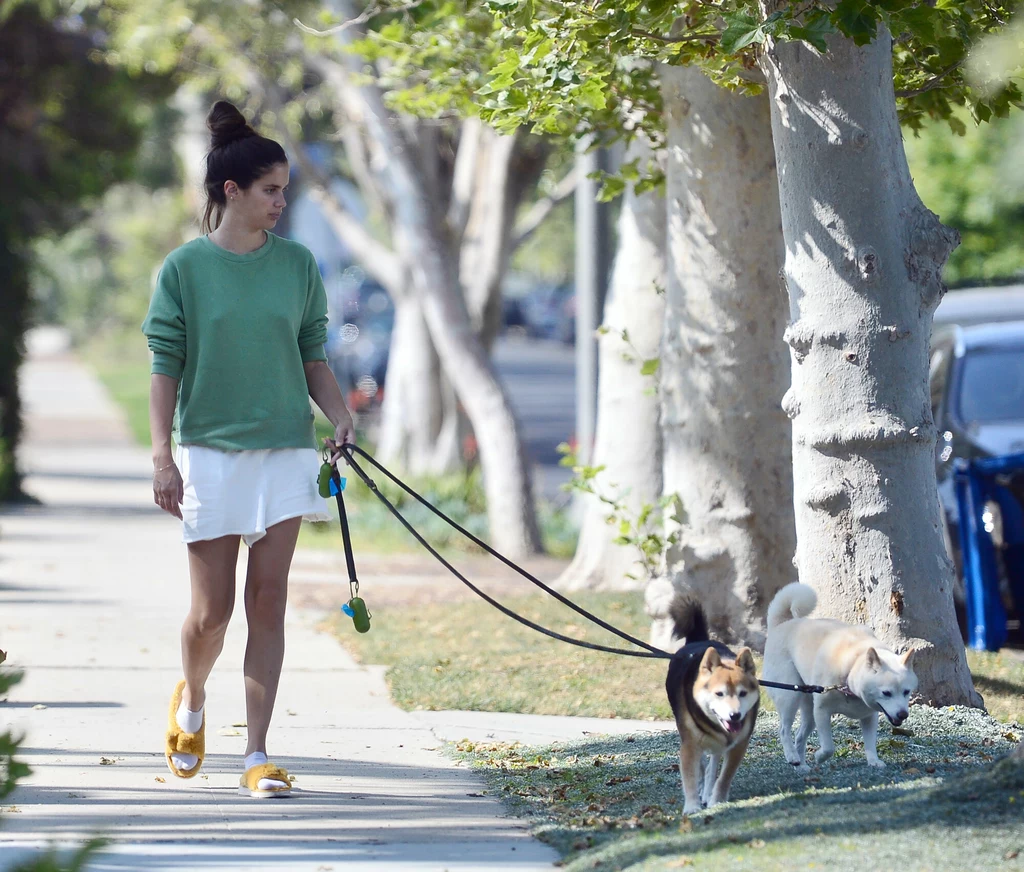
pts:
[237, 152]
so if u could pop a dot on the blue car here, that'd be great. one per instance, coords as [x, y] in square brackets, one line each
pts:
[976, 378]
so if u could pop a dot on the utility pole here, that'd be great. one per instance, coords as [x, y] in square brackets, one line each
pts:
[593, 263]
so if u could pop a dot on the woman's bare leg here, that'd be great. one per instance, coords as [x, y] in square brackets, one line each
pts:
[212, 573]
[266, 595]
[212, 569]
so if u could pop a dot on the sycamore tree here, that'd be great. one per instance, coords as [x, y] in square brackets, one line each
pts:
[444, 193]
[862, 265]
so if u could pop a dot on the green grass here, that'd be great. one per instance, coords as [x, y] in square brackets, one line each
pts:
[467, 655]
[999, 678]
[123, 368]
[428, 670]
[944, 802]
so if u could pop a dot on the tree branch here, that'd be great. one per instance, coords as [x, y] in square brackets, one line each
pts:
[710, 36]
[932, 83]
[540, 210]
[362, 18]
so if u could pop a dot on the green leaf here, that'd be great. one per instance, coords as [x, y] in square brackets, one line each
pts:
[612, 187]
[740, 31]
[814, 31]
[592, 95]
[650, 366]
[857, 19]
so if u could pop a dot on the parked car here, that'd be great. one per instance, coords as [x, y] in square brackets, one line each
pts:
[359, 339]
[976, 380]
[549, 312]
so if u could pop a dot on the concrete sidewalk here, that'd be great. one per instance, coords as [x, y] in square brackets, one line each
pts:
[93, 587]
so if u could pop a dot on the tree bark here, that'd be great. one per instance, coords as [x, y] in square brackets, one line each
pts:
[628, 438]
[863, 266]
[724, 365]
[413, 411]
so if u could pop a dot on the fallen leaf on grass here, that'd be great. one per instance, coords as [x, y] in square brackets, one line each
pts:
[757, 843]
[1011, 855]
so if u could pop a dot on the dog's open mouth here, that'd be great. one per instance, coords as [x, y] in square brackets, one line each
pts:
[894, 721]
[730, 726]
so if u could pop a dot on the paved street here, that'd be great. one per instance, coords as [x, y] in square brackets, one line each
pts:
[541, 380]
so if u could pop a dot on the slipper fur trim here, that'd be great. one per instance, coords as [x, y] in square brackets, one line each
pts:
[249, 782]
[177, 741]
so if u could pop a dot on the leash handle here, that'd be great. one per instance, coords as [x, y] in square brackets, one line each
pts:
[346, 536]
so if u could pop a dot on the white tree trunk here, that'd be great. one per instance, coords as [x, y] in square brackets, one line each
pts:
[863, 266]
[628, 438]
[724, 364]
[413, 427]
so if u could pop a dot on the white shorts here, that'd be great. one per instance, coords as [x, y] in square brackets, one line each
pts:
[244, 492]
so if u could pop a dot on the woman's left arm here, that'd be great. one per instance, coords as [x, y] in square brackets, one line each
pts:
[323, 388]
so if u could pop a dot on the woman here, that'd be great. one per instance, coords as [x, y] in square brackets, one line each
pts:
[237, 326]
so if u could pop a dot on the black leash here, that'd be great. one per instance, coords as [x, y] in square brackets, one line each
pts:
[349, 450]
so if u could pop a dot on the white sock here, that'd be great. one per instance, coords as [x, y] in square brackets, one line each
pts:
[258, 758]
[190, 722]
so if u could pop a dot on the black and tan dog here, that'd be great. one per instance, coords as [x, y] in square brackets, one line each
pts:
[714, 697]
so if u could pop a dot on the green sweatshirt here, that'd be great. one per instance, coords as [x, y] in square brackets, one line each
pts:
[235, 330]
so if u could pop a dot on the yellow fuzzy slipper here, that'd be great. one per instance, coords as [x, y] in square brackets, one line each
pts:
[248, 784]
[180, 742]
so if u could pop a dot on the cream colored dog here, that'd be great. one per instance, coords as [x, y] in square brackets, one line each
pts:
[800, 650]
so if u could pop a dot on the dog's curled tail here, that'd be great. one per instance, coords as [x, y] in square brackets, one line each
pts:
[795, 600]
[688, 619]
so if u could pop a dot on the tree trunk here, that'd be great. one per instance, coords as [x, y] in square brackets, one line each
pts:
[413, 415]
[725, 367]
[863, 266]
[630, 454]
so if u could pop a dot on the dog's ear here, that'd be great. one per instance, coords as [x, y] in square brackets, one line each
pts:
[908, 658]
[745, 661]
[873, 660]
[711, 660]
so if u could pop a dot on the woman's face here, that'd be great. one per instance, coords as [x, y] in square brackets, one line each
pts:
[260, 207]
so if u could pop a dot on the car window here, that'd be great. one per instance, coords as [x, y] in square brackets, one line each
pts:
[992, 385]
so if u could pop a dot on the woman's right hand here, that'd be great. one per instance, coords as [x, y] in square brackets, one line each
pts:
[168, 489]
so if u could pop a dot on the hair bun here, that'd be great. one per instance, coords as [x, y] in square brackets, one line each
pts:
[227, 124]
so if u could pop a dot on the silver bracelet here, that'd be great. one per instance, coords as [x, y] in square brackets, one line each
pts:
[162, 468]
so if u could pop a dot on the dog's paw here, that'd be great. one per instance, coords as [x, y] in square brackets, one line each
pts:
[821, 755]
[692, 808]
[799, 765]
[877, 764]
